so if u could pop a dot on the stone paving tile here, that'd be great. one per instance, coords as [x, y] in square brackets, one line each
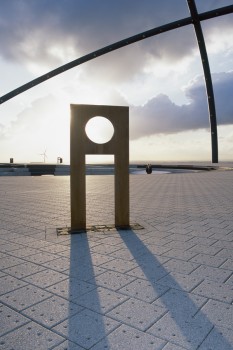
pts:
[85, 273]
[151, 260]
[112, 280]
[41, 257]
[219, 313]
[24, 297]
[8, 247]
[129, 338]
[137, 313]
[144, 290]
[24, 270]
[208, 260]
[54, 248]
[30, 336]
[181, 332]
[158, 249]
[214, 290]
[100, 300]
[180, 266]
[181, 237]
[171, 346]
[204, 249]
[180, 281]
[61, 264]
[229, 281]
[68, 345]
[24, 240]
[45, 278]
[224, 244]
[3, 255]
[180, 254]
[37, 244]
[10, 320]
[225, 253]
[10, 261]
[9, 283]
[156, 240]
[26, 251]
[180, 224]
[86, 328]
[71, 288]
[150, 273]
[219, 338]
[111, 240]
[203, 241]
[179, 245]
[212, 273]
[126, 254]
[181, 304]
[52, 311]
[104, 249]
[100, 259]
[119, 265]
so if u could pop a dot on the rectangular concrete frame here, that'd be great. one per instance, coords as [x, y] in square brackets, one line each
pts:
[80, 145]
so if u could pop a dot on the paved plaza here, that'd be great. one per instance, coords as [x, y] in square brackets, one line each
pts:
[167, 286]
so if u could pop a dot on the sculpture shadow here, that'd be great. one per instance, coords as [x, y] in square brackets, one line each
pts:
[87, 327]
[179, 324]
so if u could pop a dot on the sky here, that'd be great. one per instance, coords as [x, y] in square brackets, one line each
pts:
[160, 79]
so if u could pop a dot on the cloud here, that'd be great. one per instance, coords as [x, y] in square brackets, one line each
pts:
[161, 116]
[54, 32]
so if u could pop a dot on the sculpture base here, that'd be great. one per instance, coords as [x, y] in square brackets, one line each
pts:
[98, 228]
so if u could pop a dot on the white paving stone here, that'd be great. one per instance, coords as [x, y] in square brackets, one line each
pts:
[71, 288]
[137, 313]
[214, 290]
[129, 338]
[100, 300]
[52, 311]
[144, 290]
[180, 263]
[219, 338]
[181, 304]
[9, 283]
[112, 280]
[45, 278]
[10, 319]
[220, 314]
[212, 273]
[30, 336]
[86, 328]
[24, 297]
[181, 332]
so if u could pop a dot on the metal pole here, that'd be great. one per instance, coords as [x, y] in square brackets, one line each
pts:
[208, 79]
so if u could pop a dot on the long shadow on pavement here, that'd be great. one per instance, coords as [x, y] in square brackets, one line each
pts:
[89, 326]
[178, 325]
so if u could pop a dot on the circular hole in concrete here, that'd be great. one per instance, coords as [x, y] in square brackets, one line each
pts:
[99, 130]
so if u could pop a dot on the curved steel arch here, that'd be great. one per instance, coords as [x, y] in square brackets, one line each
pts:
[195, 19]
[208, 79]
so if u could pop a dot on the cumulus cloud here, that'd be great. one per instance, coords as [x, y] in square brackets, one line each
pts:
[55, 32]
[161, 116]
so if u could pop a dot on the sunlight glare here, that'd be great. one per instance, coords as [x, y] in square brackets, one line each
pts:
[99, 130]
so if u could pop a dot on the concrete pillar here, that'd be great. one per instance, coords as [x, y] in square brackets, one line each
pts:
[80, 145]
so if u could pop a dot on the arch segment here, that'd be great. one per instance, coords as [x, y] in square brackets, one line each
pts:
[208, 79]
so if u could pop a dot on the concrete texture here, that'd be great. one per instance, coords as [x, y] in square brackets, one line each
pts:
[167, 286]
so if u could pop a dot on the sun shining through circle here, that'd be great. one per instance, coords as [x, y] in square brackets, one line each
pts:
[99, 130]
